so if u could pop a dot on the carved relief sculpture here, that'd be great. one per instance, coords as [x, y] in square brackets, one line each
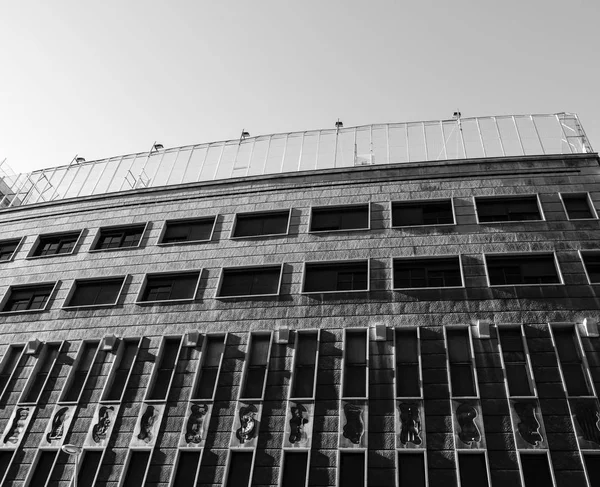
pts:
[194, 430]
[588, 418]
[410, 424]
[355, 425]
[101, 427]
[58, 425]
[528, 426]
[297, 421]
[469, 432]
[146, 424]
[248, 423]
[17, 426]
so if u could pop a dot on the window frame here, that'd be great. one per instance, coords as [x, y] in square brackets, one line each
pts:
[74, 367]
[114, 367]
[12, 452]
[348, 331]
[259, 213]
[340, 207]
[417, 202]
[529, 365]
[12, 287]
[158, 361]
[248, 451]
[38, 241]
[426, 258]
[175, 465]
[291, 397]
[472, 357]
[247, 357]
[242, 296]
[98, 235]
[324, 263]
[139, 301]
[201, 362]
[3, 364]
[165, 224]
[540, 452]
[475, 451]
[352, 451]
[509, 197]
[73, 288]
[287, 451]
[19, 241]
[524, 254]
[80, 459]
[34, 371]
[31, 474]
[590, 204]
[420, 362]
[411, 451]
[124, 472]
[582, 253]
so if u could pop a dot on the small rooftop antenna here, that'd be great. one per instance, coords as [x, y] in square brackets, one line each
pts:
[339, 124]
[457, 116]
[156, 147]
[77, 160]
[244, 134]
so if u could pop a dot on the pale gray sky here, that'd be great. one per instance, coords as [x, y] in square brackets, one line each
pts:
[100, 79]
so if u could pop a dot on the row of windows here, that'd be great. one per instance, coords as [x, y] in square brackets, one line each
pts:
[318, 277]
[323, 219]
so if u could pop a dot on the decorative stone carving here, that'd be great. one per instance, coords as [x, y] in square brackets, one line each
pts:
[354, 420]
[58, 425]
[102, 425]
[246, 425]
[17, 424]
[298, 428]
[410, 423]
[469, 432]
[587, 422]
[194, 431]
[529, 431]
[147, 425]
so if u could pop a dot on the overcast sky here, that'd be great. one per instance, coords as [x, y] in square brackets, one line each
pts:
[100, 79]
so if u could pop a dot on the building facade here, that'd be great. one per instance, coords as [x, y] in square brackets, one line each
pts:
[424, 323]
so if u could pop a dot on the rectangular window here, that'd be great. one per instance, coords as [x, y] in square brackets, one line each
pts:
[42, 468]
[336, 276]
[411, 470]
[187, 468]
[577, 206]
[507, 209]
[591, 261]
[521, 269]
[121, 370]
[424, 272]
[240, 468]
[571, 363]
[211, 361]
[96, 292]
[9, 364]
[332, 218]
[419, 213]
[80, 371]
[28, 298]
[408, 377]
[518, 374]
[355, 364]
[170, 287]
[188, 231]
[250, 281]
[536, 470]
[261, 224]
[352, 469]
[592, 466]
[305, 361]
[295, 471]
[119, 237]
[5, 459]
[164, 369]
[89, 468]
[473, 470]
[136, 468]
[40, 373]
[56, 244]
[8, 248]
[257, 359]
[462, 377]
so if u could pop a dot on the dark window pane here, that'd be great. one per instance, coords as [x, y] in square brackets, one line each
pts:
[42, 373]
[507, 209]
[592, 266]
[7, 249]
[165, 368]
[407, 364]
[575, 379]
[119, 237]
[352, 469]
[56, 244]
[415, 273]
[461, 376]
[28, 297]
[272, 223]
[577, 206]
[80, 373]
[189, 230]
[240, 464]
[43, 468]
[355, 364]
[339, 276]
[522, 269]
[473, 470]
[136, 470]
[571, 362]
[422, 213]
[461, 366]
[407, 380]
[208, 375]
[306, 355]
[355, 381]
[253, 386]
[518, 379]
[251, 281]
[89, 468]
[592, 465]
[88, 293]
[121, 372]
[5, 458]
[459, 348]
[536, 471]
[187, 467]
[10, 363]
[206, 386]
[170, 287]
[294, 469]
[343, 218]
[304, 381]
[411, 470]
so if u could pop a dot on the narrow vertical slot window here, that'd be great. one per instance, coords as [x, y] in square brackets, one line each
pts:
[355, 364]
[10, 363]
[592, 466]
[121, 370]
[295, 471]
[411, 470]
[164, 368]
[462, 377]
[256, 368]
[205, 389]
[307, 345]
[518, 374]
[536, 470]
[80, 371]
[136, 468]
[569, 356]
[5, 458]
[89, 468]
[408, 383]
[187, 467]
[473, 470]
[43, 467]
[240, 468]
[352, 469]
[41, 374]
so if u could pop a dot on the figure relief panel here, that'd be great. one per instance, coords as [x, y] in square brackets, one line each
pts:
[102, 425]
[16, 427]
[586, 419]
[299, 424]
[147, 426]
[58, 426]
[354, 417]
[195, 425]
[410, 424]
[468, 424]
[246, 425]
[528, 424]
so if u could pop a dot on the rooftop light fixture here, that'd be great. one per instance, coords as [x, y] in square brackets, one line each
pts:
[456, 114]
[79, 160]
[244, 134]
[157, 147]
[339, 124]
